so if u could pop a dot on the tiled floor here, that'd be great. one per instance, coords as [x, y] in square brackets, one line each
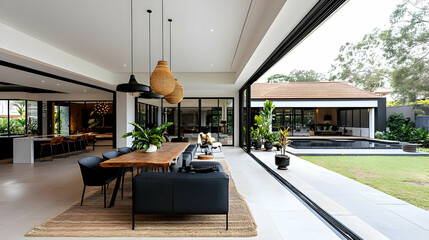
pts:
[30, 194]
[368, 212]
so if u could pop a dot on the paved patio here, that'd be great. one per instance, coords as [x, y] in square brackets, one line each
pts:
[368, 212]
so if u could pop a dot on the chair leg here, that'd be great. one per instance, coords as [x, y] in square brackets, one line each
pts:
[227, 221]
[83, 194]
[133, 221]
[41, 151]
[122, 189]
[64, 150]
[52, 153]
[104, 187]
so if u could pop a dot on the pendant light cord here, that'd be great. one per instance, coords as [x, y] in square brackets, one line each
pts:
[150, 67]
[162, 23]
[132, 42]
[171, 64]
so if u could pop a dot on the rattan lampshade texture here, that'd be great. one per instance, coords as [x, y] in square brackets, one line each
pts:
[162, 80]
[177, 95]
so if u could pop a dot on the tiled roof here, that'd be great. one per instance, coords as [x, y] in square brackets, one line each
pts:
[305, 90]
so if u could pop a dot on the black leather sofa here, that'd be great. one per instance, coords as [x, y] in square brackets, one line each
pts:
[181, 193]
[192, 149]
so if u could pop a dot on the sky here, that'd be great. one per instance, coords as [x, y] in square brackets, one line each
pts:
[349, 24]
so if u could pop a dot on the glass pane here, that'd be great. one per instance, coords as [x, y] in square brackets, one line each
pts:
[364, 118]
[17, 116]
[297, 120]
[190, 119]
[349, 118]
[226, 126]
[64, 120]
[244, 120]
[210, 114]
[3, 117]
[342, 118]
[309, 119]
[171, 114]
[356, 117]
[32, 126]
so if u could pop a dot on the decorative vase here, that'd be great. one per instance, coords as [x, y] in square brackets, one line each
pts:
[268, 146]
[282, 161]
[152, 148]
[257, 145]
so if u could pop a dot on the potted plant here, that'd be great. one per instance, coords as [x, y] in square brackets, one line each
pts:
[270, 138]
[150, 139]
[256, 138]
[282, 160]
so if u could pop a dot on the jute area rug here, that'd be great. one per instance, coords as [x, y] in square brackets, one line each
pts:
[92, 220]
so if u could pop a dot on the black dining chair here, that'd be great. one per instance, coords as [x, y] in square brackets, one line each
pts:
[124, 150]
[113, 154]
[94, 175]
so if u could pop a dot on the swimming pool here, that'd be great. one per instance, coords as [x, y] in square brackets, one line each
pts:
[343, 144]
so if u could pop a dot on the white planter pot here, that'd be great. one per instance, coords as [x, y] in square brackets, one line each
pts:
[152, 148]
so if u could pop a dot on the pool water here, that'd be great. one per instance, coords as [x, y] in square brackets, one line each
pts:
[343, 144]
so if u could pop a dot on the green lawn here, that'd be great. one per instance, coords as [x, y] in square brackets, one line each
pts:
[404, 177]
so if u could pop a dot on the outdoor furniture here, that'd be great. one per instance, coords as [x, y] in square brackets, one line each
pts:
[94, 175]
[208, 143]
[156, 161]
[182, 193]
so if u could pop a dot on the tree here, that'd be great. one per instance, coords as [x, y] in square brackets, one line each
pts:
[398, 56]
[406, 46]
[277, 78]
[362, 64]
[297, 76]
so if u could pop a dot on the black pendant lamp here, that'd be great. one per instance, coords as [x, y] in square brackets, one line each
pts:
[149, 94]
[132, 85]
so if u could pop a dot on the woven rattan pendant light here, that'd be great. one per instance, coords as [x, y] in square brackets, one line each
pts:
[162, 80]
[132, 85]
[150, 94]
[177, 95]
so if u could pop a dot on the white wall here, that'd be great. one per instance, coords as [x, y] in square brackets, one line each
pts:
[125, 113]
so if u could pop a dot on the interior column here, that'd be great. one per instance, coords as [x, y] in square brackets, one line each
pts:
[125, 114]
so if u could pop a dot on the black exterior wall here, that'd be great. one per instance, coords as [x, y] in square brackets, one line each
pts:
[380, 115]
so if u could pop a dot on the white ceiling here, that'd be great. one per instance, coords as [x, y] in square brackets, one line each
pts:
[33, 80]
[99, 30]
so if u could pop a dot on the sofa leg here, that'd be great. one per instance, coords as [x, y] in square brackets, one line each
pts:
[227, 221]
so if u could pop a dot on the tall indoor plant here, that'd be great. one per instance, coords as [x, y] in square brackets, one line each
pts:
[282, 160]
[150, 139]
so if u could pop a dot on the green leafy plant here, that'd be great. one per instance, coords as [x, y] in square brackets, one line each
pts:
[255, 135]
[144, 137]
[284, 134]
[271, 137]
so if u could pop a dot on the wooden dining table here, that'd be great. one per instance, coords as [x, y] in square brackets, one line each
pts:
[161, 159]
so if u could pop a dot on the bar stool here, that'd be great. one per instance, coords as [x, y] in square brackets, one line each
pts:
[84, 141]
[54, 143]
[71, 139]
